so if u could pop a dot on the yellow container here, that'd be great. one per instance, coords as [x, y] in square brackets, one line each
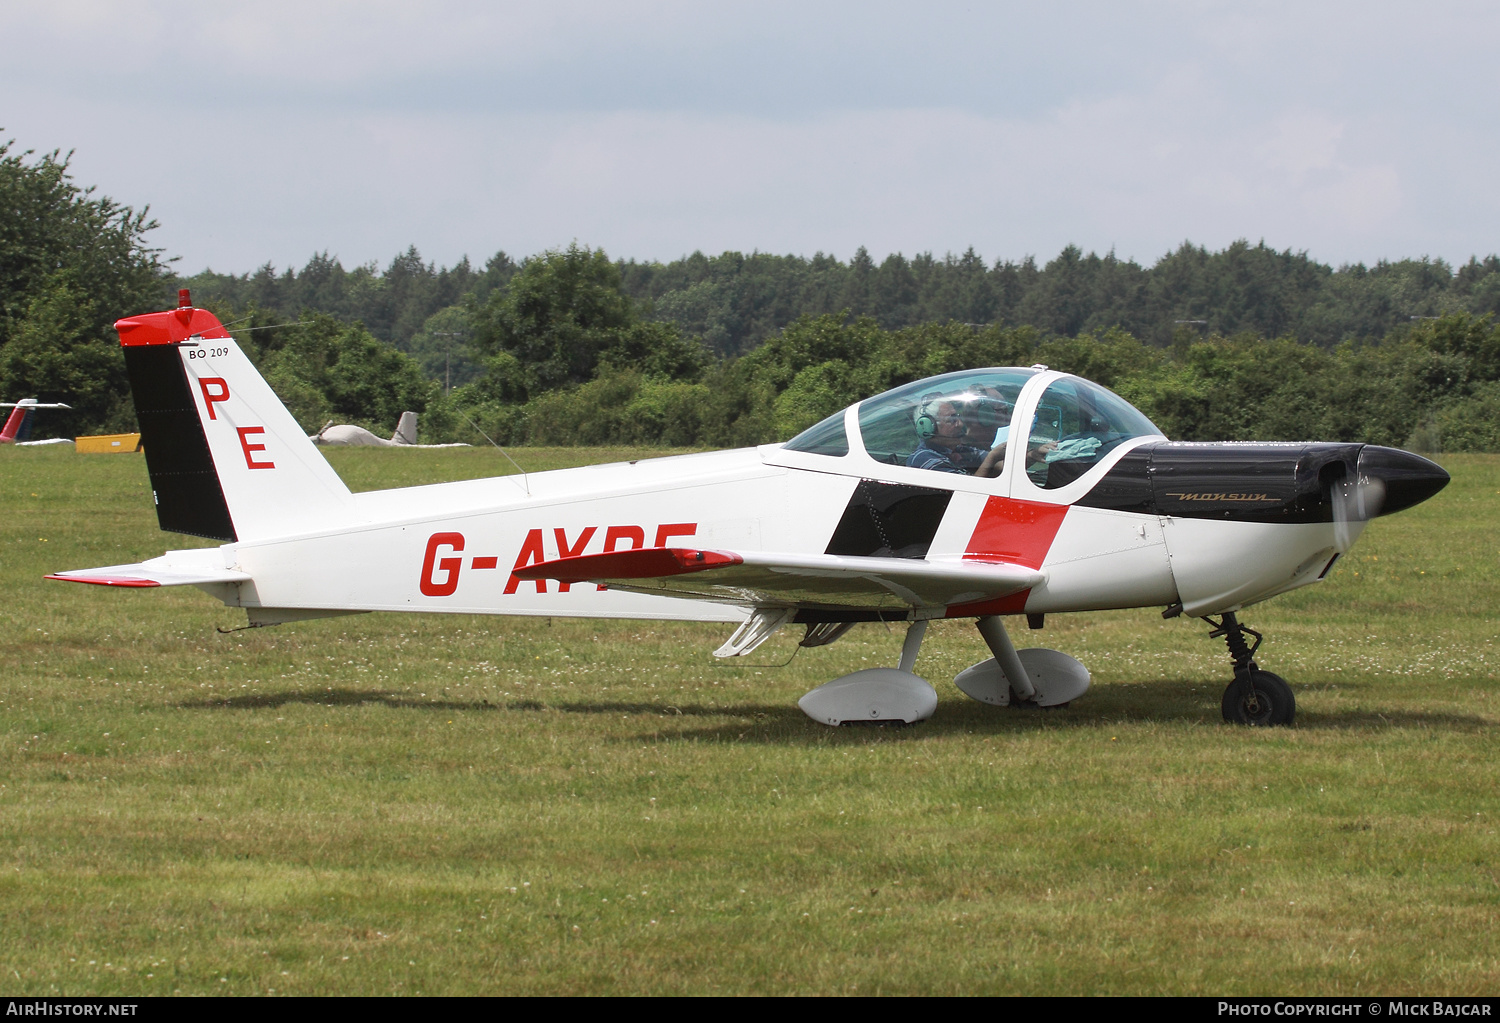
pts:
[109, 443]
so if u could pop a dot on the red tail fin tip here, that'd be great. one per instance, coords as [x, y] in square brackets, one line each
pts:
[13, 424]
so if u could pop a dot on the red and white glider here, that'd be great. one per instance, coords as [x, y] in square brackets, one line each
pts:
[18, 423]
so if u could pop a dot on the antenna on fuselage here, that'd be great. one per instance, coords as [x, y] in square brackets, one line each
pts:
[525, 483]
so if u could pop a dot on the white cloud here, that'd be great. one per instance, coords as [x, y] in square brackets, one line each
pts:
[269, 132]
[1300, 143]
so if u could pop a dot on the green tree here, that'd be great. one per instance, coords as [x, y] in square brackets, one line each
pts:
[620, 406]
[441, 347]
[324, 369]
[71, 263]
[561, 311]
[58, 350]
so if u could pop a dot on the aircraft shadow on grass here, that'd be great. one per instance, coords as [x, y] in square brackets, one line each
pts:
[1165, 701]
[354, 698]
[360, 697]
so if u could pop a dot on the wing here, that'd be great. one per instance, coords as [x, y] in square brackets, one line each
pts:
[760, 579]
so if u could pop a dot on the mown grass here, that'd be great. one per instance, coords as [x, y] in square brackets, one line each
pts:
[403, 804]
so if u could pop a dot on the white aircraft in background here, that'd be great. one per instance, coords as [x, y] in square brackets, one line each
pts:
[910, 506]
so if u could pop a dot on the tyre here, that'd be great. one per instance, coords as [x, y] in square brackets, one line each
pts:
[1261, 698]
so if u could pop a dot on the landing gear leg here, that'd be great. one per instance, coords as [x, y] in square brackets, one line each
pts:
[1033, 678]
[911, 646]
[998, 640]
[1255, 697]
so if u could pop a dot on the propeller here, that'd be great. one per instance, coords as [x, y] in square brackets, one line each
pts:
[1385, 480]
[1355, 502]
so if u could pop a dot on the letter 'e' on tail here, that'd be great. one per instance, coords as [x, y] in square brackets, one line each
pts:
[227, 460]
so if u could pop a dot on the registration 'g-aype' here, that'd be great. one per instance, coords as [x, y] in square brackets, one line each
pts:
[976, 494]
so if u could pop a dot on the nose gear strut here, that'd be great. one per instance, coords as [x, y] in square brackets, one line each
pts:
[1255, 697]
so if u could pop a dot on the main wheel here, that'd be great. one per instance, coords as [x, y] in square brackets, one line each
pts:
[1261, 698]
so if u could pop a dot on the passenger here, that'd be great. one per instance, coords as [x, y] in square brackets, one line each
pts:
[987, 415]
[941, 425]
[989, 419]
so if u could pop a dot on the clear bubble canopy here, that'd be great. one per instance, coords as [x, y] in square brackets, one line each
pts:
[961, 422]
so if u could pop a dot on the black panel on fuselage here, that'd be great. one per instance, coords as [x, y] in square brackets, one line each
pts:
[889, 520]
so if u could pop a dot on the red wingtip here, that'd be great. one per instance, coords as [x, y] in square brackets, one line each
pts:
[647, 563]
[102, 580]
[184, 299]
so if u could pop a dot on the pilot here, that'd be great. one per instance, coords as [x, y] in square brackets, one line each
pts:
[945, 431]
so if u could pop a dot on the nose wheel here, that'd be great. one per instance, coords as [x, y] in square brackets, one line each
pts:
[1255, 697]
[1259, 698]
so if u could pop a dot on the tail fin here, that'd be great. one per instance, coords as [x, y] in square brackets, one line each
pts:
[12, 431]
[22, 414]
[227, 460]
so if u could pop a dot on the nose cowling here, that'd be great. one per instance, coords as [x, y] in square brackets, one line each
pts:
[1267, 482]
[1408, 479]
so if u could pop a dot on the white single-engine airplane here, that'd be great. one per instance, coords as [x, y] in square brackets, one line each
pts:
[911, 506]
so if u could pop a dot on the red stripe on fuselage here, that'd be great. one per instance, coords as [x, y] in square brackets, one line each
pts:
[1015, 532]
[1018, 532]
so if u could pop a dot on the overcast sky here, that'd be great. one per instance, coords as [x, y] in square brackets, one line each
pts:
[269, 131]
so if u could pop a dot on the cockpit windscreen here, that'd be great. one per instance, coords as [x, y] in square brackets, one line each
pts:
[1076, 424]
[950, 423]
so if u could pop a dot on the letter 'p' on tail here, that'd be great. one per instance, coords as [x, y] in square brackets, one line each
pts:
[227, 460]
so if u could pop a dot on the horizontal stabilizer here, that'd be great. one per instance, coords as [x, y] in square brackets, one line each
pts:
[760, 579]
[155, 572]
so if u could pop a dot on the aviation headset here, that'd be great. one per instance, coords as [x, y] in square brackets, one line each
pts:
[926, 418]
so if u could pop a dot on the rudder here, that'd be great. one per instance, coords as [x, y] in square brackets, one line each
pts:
[18, 418]
[227, 460]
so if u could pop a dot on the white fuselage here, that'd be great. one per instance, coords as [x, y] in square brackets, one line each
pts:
[452, 547]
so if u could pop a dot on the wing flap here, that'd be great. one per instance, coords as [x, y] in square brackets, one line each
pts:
[762, 579]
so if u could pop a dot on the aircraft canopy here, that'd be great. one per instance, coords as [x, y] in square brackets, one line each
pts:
[951, 422]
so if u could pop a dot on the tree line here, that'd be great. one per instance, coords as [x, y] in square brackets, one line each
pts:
[569, 346]
[564, 354]
[570, 361]
[733, 302]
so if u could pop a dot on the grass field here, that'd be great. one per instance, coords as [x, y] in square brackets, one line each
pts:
[457, 805]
